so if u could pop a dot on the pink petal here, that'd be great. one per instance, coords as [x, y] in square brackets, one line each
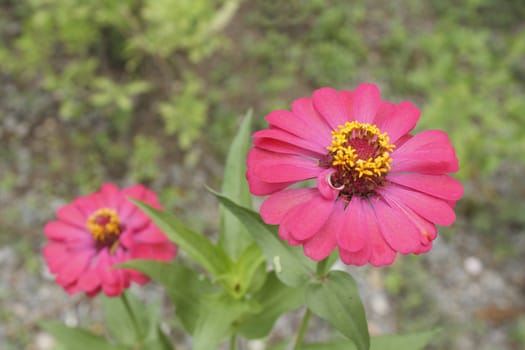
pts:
[348, 100]
[428, 152]
[424, 248]
[324, 241]
[71, 214]
[137, 277]
[109, 194]
[402, 140]
[441, 186]
[284, 234]
[56, 256]
[289, 122]
[113, 280]
[86, 205]
[353, 235]
[127, 237]
[274, 208]
[358, 258]
[90, 280]
[325, 187]
[141, 193]
[385, 112]
[283, 136]
[127, 209]
[276, 167]
[157, 252]
[74, 268]
[366, 102]
[397, 229]
[431, 208]
[61, 231]
[398, 121]
[427, 230]
[137, 221]
[381, 253]
[261, 188]
[151, 234]
[304, 109]
[305, 220]
[278, 146]
[331, 106]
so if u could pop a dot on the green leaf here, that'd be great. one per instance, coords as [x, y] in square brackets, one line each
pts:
[140, 327]
[412, 341]
[330, 261]
[233, 236]
[275, 299]
[336, 299]
[290, 264]
[217, 316]
[160, 342]
[78, 338]
[119, 322]
[244, 273]
[201, 249]
[184, 286]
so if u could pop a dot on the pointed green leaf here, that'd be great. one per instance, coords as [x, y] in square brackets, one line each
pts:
[139, 327]
[336, 299]
[184, 286]
[275, 299]
[78, 338]
[159, 342]
[119, 322]
[217, 316]
[330, 261]
[411, 341]
[233, 236]
[290, 264]
[201, 249]
[245, 272]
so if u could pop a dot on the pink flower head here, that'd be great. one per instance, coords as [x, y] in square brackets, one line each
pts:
[98, 231]
[378, 190]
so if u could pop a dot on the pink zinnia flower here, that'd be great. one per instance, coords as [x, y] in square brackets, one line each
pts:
[98, 231]
[378, 190]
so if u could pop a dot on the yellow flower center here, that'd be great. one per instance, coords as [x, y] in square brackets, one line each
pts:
[105, 226]
[360, 154]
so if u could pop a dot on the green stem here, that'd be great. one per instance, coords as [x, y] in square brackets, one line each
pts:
[321, 266]
[302, 329]
[233, 342]
[131, 315]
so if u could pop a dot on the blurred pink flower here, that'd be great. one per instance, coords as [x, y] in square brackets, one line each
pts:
[100, 230]
[378, 190]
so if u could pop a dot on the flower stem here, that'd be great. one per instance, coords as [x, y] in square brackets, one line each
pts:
[233, 342]
[131, 314]
[321, 267]
[302, 329]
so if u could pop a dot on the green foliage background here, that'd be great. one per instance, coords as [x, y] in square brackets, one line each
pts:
[134, 90]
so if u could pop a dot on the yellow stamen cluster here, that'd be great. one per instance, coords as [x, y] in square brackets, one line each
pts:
[104, 224]
[348, 159]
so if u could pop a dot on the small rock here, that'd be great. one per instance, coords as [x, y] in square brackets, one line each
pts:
[70, 319]
[380, 304]
[44, 341]
[473, 266]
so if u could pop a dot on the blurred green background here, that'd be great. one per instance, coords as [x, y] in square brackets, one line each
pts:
[152, 91]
